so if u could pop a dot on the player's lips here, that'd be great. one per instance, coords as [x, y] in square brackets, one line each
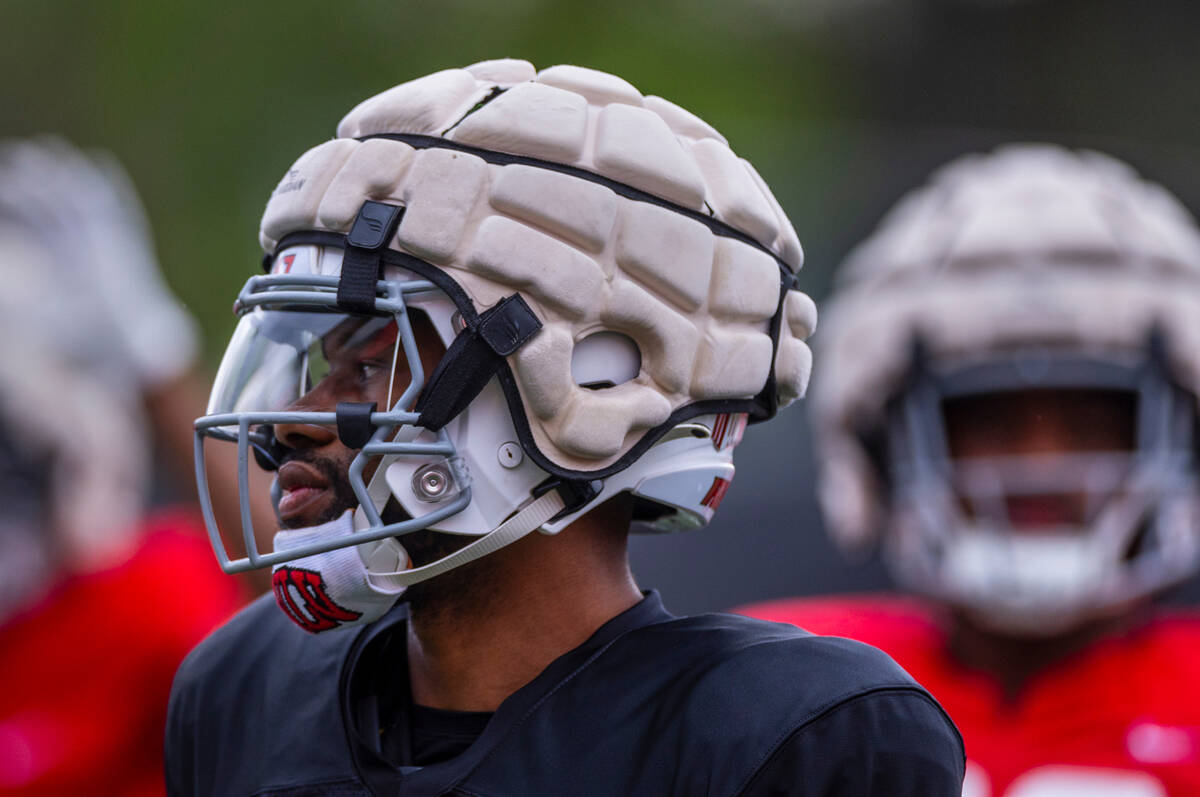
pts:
[302, 489]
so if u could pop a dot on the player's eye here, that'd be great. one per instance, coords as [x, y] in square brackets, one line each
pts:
[368, 370]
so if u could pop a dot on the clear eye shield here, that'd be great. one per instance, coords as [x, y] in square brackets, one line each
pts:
[298, 360]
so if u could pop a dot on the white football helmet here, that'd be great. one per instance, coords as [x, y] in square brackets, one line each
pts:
[1030, 268]
[75, 257]
[614, 288]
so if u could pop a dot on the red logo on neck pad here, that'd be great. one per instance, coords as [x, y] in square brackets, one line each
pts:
[302, 596]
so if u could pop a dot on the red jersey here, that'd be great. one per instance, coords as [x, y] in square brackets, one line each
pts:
[87, 671]
[1118, 719]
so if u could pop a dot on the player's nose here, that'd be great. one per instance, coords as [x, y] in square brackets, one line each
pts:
[306, 435]
[303, 435]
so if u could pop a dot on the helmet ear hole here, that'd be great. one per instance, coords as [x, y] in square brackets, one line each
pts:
[605, 359]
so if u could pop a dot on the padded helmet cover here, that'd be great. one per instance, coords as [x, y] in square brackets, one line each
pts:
[605, 210]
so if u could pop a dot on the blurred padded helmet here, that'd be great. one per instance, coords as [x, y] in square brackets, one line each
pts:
[73, 450]
[1029, 268]
[614, 287]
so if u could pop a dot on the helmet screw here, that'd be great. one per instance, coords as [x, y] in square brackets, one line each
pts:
[510, 455]
[431, 482]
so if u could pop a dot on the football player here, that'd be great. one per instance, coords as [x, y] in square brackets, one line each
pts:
[506, 315]
[100, 599]
[1008, 408]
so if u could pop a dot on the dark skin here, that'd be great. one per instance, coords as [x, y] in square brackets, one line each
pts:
[480, 632]
[1035, 422]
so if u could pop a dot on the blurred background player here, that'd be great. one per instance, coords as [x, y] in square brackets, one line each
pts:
[100, 599]
[1007, 405]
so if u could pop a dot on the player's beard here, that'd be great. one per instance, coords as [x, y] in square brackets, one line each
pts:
[442, 596]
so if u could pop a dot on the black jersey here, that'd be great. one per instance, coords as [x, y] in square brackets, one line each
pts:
[651, 704]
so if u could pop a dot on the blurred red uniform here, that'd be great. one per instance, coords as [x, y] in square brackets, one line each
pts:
[87, 670]
[1120, 718]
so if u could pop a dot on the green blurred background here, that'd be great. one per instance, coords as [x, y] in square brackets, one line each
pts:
[841, 104]
[208, 104]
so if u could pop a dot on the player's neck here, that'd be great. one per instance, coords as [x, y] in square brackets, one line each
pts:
[1014, 661]
[477, 638]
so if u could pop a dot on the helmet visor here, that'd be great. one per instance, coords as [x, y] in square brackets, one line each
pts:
[287, 359]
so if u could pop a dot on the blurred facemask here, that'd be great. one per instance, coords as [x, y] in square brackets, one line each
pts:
[25, 548]
[1032, 543]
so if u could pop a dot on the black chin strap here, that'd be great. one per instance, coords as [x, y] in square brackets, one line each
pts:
[474, 358]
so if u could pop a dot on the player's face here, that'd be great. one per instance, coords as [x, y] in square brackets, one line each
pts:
[362, 367]
[1038, 423]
